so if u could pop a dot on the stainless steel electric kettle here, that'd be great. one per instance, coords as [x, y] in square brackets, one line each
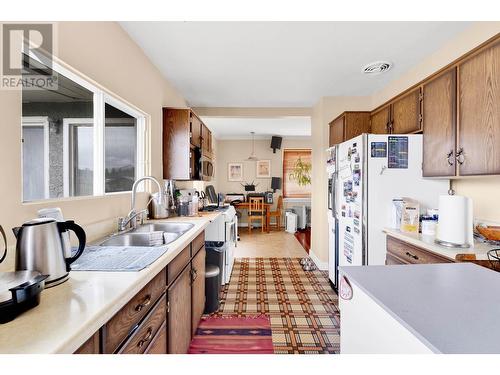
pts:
[40, 247]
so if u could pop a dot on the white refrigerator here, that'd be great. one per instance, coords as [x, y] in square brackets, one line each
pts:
[332, 219]
[372, 170]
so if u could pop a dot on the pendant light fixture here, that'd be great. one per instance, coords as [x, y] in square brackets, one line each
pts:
[252, 156]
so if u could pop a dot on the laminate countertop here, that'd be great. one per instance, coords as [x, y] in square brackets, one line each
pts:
[449, 307]
[70, 313]
[478, 251]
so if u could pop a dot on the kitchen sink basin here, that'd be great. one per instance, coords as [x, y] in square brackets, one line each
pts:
[169, 228]
[129, 239]
[149, 235]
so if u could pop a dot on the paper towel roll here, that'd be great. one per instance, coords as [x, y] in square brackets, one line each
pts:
[455, 220]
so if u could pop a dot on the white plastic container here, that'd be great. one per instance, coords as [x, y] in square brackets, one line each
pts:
[291, 222]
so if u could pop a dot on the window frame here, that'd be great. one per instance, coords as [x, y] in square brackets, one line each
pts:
[293, 197]
[38, 121]
[101, 97]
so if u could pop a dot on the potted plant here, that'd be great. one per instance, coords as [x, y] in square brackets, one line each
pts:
[301, 173]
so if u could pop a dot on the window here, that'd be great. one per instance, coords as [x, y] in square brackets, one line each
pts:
[297, 166]
[93, 142]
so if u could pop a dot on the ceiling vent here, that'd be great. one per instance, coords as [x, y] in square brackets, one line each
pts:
[377, 67]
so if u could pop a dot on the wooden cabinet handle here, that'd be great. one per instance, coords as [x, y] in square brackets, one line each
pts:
[460, 156]
[194, 275]
[146, 301]
[449, 157]
[412, 255]
[146, 338]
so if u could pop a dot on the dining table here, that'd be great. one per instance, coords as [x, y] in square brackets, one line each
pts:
[267, 209]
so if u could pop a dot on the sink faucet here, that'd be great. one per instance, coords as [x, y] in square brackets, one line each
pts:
[133, 215]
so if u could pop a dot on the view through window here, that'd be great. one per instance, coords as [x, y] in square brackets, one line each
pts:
[297, 173]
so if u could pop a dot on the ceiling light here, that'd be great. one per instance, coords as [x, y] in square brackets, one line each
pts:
[252, 156]
[377, 67]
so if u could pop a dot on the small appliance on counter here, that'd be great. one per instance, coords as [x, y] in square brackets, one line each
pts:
[19, 291]
[455, 223]
[40, 247]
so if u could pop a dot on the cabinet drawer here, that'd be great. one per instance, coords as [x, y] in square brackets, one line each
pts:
[119, 327]
[412, 254]
[91, 346]
[197, 243]
[144, 334]
[176, 266]
[159, 343]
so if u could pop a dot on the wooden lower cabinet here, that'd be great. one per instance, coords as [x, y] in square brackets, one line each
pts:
[198, 288]
[91, 346]
[164, 315]
[159, 343]
[179, 313]
[400, 252]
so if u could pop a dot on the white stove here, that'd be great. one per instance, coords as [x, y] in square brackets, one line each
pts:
[224, 231]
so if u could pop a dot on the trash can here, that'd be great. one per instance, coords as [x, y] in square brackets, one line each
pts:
[212, 288]
[216, 255]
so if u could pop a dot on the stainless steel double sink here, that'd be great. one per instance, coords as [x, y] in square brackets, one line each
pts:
[149, 235]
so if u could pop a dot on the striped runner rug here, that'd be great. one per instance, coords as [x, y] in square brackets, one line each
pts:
[233, 335]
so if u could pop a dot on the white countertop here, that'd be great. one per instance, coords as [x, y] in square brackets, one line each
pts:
[70, 313]
[450, 307]
[479, 250]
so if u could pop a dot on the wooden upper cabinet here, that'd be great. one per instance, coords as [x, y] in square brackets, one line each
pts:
[405, 116]
[206, 136]
[195, 125]
[479, 113]
[176, 144]
[379, 121]
[356, 123]
[439, 125]
[337, 131]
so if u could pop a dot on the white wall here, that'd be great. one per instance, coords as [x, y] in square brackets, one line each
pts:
[106, 54]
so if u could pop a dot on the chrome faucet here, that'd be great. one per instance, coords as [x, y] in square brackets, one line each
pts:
[133, 215]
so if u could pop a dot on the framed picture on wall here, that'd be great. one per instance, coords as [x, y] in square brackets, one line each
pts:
[263, 169]
[235, 171]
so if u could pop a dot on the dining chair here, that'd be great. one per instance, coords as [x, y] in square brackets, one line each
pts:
[278, 213]
[256, 211]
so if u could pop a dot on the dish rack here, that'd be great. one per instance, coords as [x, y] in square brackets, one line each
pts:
[494, 258]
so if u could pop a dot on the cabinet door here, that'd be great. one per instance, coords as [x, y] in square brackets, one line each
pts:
[179, 313]
[406, 113]
[439, 125]
[356, 123]
[159, 342]
[379, 121]
[198, 287]
[91, 346]
[205, 139]
[479, 113]
[337, 131]
[195, 125]
[176, 144]
[392, 260]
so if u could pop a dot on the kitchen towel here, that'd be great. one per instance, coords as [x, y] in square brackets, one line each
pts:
[117, 258]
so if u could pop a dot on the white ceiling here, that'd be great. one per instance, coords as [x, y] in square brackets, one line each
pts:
[240, 128]
[283, 64]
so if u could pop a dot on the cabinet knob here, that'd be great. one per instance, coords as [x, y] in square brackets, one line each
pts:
[412, 255]
[450, 158]
[460, 156]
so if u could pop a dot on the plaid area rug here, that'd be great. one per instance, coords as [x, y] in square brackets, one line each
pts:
[233, 335]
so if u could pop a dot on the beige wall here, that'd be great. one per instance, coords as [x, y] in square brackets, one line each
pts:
[106, 54]
[481, 190]
[237, 151]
